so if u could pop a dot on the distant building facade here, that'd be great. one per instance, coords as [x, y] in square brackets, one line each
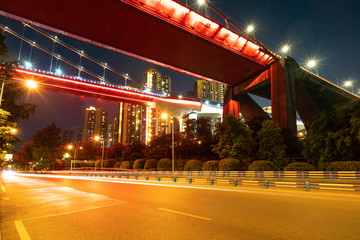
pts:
[68, 136]
[96, 123]
[79, 135]
[209, 91]
[152, 79]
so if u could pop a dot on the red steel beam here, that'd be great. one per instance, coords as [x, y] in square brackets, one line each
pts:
[68, 85]
[163, 32]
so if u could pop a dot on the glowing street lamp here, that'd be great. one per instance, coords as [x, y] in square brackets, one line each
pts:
[58, 71]
[13, 130]
[285, 49]
[28, 64]
[98, 138]
[250, 28]
[348, 84]
[31, 84]
[312, 64]
[201, 2]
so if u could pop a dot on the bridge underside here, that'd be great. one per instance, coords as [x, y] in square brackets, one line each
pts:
[292, 90]
[162, 32]
[111, 93]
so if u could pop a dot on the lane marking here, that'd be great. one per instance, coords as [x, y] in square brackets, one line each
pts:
[23, 234]
[71, 212]
[2, 187]
[185, 214]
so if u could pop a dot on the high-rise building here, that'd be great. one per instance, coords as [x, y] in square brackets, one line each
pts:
[68, 136]
[96, 121]
[211, 91]
[115, 130]
[131, 122]
[152, 79]
[79, 135]
[140, 122]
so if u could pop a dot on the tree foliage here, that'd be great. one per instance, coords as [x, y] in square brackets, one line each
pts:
[24, 156]
[7, 138]
[134, 150]
[88, 151]
[115, 151]
[47, 146]
[271, 144]
[235, 139]
[12, 90]
[334, 136]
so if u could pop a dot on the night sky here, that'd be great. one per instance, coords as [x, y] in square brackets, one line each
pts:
[328, 31]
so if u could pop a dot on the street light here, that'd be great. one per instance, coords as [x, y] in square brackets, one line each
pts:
[165, 116]
[349, 84]
[31, 84]
[250, 28]
[98, 138]
[285, 49]
[71, 147]
[312, 64]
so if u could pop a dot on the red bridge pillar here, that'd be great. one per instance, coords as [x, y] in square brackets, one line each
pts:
[283, 107]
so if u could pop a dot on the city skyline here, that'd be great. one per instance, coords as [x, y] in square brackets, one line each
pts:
[272, 28]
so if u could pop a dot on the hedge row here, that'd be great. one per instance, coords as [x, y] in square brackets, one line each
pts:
[227, 164]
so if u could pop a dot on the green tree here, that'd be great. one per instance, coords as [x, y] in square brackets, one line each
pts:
[235, 140]
[7, 138]
[334, 136]
[134, 150]
[13, 90]
[115, 151]
[88, 151]
[47, 147]
[24, 156]
[271, 144]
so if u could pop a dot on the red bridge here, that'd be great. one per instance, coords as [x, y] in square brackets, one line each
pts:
[169, 34]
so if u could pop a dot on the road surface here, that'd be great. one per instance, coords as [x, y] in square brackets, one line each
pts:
[66, 208]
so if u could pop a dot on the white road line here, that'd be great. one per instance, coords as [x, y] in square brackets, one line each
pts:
[23, 234]
[185, 214]
[71, 212]
[2, 187]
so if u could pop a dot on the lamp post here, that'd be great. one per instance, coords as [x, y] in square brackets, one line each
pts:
[165, 116]
[70, 147]
[172, 152]
[98, 138]
[349, 84]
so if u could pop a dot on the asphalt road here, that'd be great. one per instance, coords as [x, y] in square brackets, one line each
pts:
[57, 208]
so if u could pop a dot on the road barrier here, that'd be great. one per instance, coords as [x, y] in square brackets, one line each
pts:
[340, 175]
[232, 182]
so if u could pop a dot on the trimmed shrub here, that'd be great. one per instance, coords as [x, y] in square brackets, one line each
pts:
[193, 165]
[139, 164]
[117, 165]
[164, 164]
[125, 165]
[262, 165]
[109, 163]
[229, 164]
[212, 165]
[344, 166]
[98, 163]
[180, 164]
[299, 166]
[150, 164]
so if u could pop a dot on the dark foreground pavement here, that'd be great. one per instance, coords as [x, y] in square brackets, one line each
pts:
[57, 208]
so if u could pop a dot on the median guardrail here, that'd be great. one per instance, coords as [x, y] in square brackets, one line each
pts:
[234, 182]
[340, 175]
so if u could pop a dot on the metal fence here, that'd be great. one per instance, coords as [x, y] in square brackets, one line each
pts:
[227, 182]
